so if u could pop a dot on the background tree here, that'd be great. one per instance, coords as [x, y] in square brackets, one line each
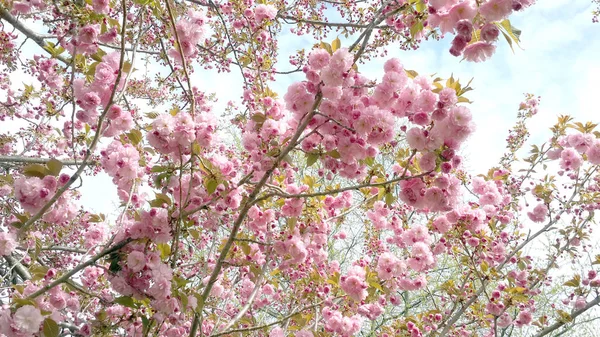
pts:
[344, 211]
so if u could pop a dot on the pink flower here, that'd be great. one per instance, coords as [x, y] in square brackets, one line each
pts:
[101, 6]
[28, 319]
[89, 33]
[593, 153]
[262, 12]
[7, 243]
[479, 51]
[580, 303]
[465, 10]
[422, 257]
[318, 59]
[489, 32]
[504, 320]
[304, 333]
[354, 283]
[441, 224]
[341, 60]
[393, 65]
[570, 159]
[277, 332]
[416, 138]
[389, 266]
[34, 192]
[496, 10]
[539, 213]
[524, 318]
[136, 261]
[464, 28]
[395, 80]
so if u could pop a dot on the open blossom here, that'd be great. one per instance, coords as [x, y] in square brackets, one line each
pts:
[34, 192]
[28, 319]
[539, 213]
[136, 261]
[262, 12]
[7, 243]
[421, 257]
[479, 51]
[524, 318]
[496, 10]
[354, 283]
[570, 159]
[593, 152]
[389, 266]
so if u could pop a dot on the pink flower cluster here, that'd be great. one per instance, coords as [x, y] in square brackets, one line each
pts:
[264, 12]
[144, 274]
[441, 195]
[190, 31]
[293, 206]
[354, 124]
[118, 121]
[33, 193]
[354, 283]
[153, 224]
[26, 6]
[572, 147]
[97, 95]
[46, 70]
[378, 215]
[7, 243]
[176, 134]
[457, 17]
[260, 220]
[389, 266]
[121, 162]
[26, 321]
[343, 325]
[539, 213]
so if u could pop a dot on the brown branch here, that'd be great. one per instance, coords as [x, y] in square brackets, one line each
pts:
[574, 315]
[80, 267]
[29, 160]
[35, 37]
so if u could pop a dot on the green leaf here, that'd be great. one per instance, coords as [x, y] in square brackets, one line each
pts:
[334, 154]
[311, 158]
[211, 185]
[574, 282]
[98, 55]
[416, 28]
[509, 41]
[336, 44]
[158, 169]
[54, 167]
[512, 34]
[50, 328]
[563, 316]
[125, 301]
[259, 118]
[20, 302]
[389, 199]
[127, 66]
[411, 73]
[35, 170]
[164, 198]
[135, 136]
[164, 249]
[327, 47]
